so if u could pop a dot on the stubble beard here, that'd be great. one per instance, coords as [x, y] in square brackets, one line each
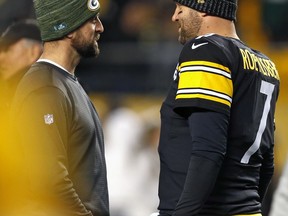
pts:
[86, 49]
[182, 38]
[190, 30]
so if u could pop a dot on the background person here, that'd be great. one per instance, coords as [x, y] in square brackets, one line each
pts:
[279, 206]
[217, 122]
[58, 126]
[20, 47]
[131, 140]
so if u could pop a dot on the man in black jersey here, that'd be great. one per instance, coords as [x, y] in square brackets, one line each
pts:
[217, 122]
[55, 121]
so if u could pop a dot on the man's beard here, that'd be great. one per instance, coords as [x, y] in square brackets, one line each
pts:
[191, 29]
[86, 50]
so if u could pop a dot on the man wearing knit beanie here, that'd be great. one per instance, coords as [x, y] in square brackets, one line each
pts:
[217, 122]
[57, 124]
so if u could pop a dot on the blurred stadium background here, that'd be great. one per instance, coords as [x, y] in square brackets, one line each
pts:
[139, 52]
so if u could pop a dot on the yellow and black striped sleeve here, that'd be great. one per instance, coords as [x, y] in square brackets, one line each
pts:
[204, 83]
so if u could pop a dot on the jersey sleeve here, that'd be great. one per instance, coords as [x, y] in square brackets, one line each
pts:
[204, 77]
[42, 122]
[266, 172]
[206, 159]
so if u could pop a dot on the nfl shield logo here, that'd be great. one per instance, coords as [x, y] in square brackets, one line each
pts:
[48, 119]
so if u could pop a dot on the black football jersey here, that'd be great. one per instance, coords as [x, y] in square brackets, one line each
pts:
[224, 75]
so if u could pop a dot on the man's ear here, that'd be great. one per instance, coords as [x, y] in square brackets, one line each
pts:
[202, 14]
[70, 35]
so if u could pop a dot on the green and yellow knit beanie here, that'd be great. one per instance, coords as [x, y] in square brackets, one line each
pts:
[221, 8]
[57, 18]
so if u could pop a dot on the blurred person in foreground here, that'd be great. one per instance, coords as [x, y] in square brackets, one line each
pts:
[20, 47]
[217, 122]
[57, 124]
[279, 206]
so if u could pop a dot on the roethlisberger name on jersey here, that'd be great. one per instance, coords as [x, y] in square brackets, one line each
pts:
[255, 63]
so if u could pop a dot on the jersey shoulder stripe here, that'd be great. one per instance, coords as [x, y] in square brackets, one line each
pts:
[205, 94]
[206, 80]
[212, 66]
[204, 75]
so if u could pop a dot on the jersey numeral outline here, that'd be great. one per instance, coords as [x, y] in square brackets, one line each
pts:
[267, 89]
